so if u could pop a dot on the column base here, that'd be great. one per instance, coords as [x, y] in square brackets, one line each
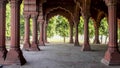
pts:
[15, 56]
[86, 47]
[111, 58]
[26, 46]
[76, 44]
[46, 41]
[71, 41]
[3, 53]
[96, 41]
[34, 47]
[41, 43]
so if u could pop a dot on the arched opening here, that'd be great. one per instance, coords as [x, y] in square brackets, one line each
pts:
[103, 30]
[58, 29]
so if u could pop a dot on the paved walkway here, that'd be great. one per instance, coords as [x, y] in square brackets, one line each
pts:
[64, 56]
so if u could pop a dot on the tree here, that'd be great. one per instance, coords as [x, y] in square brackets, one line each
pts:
[91, 29]
[103, 29]
[62, 28]
[8, 21]
[81, 26]
[51, 27]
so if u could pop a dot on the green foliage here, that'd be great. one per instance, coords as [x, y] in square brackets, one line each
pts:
[8, 16]
[91, 28]
[58, 25]
[81, 26]
[62, 28]
[103, 30]
[8, 20]
[51, 27]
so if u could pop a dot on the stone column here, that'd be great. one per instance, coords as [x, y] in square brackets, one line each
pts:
[41, 39]
[34, 45]
[27, 33]
[3, 50]
[86, 46]
[112, 55]
[15, 55]
[76, 35]
[45, 33]
[71, 33]
[96, 26]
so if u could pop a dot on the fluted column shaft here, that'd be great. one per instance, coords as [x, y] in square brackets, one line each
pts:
[86, 46]
[14, 55]
[3, 50]
[42, 30]
[27, 32]
[34, 45]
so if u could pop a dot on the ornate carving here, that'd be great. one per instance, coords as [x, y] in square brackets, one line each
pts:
[34, 15]
[15, 3]
[111, 2]
[26, 16]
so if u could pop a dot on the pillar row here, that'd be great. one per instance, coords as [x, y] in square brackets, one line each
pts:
[15, 55]
[3, 50]
[34, 45]
[112, 55]
[27, 33]
[86, 46]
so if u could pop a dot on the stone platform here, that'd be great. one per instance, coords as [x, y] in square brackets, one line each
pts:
[64, 56]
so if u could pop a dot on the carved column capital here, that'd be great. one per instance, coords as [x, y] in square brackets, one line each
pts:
[86, 15]
[34, 15]
[26, 16]
[15, 1]
[111, 2]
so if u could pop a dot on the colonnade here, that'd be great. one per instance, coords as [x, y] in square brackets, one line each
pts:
[15, 55]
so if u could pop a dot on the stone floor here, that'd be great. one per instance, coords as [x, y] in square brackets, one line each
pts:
[64, 56]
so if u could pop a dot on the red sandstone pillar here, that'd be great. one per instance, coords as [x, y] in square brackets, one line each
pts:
[96, 40]
[41, 39]
[3, 50]
[27, 33]
[86, 46]
[71, 32]
[112, 55]
[14, 55]
[34, 45]
[45, 33]
[76, 35]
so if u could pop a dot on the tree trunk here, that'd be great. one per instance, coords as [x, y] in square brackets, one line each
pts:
[64, 39]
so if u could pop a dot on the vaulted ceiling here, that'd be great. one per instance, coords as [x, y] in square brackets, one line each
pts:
[97, 8]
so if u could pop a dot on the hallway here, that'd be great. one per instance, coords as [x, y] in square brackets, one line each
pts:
[64, 56]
